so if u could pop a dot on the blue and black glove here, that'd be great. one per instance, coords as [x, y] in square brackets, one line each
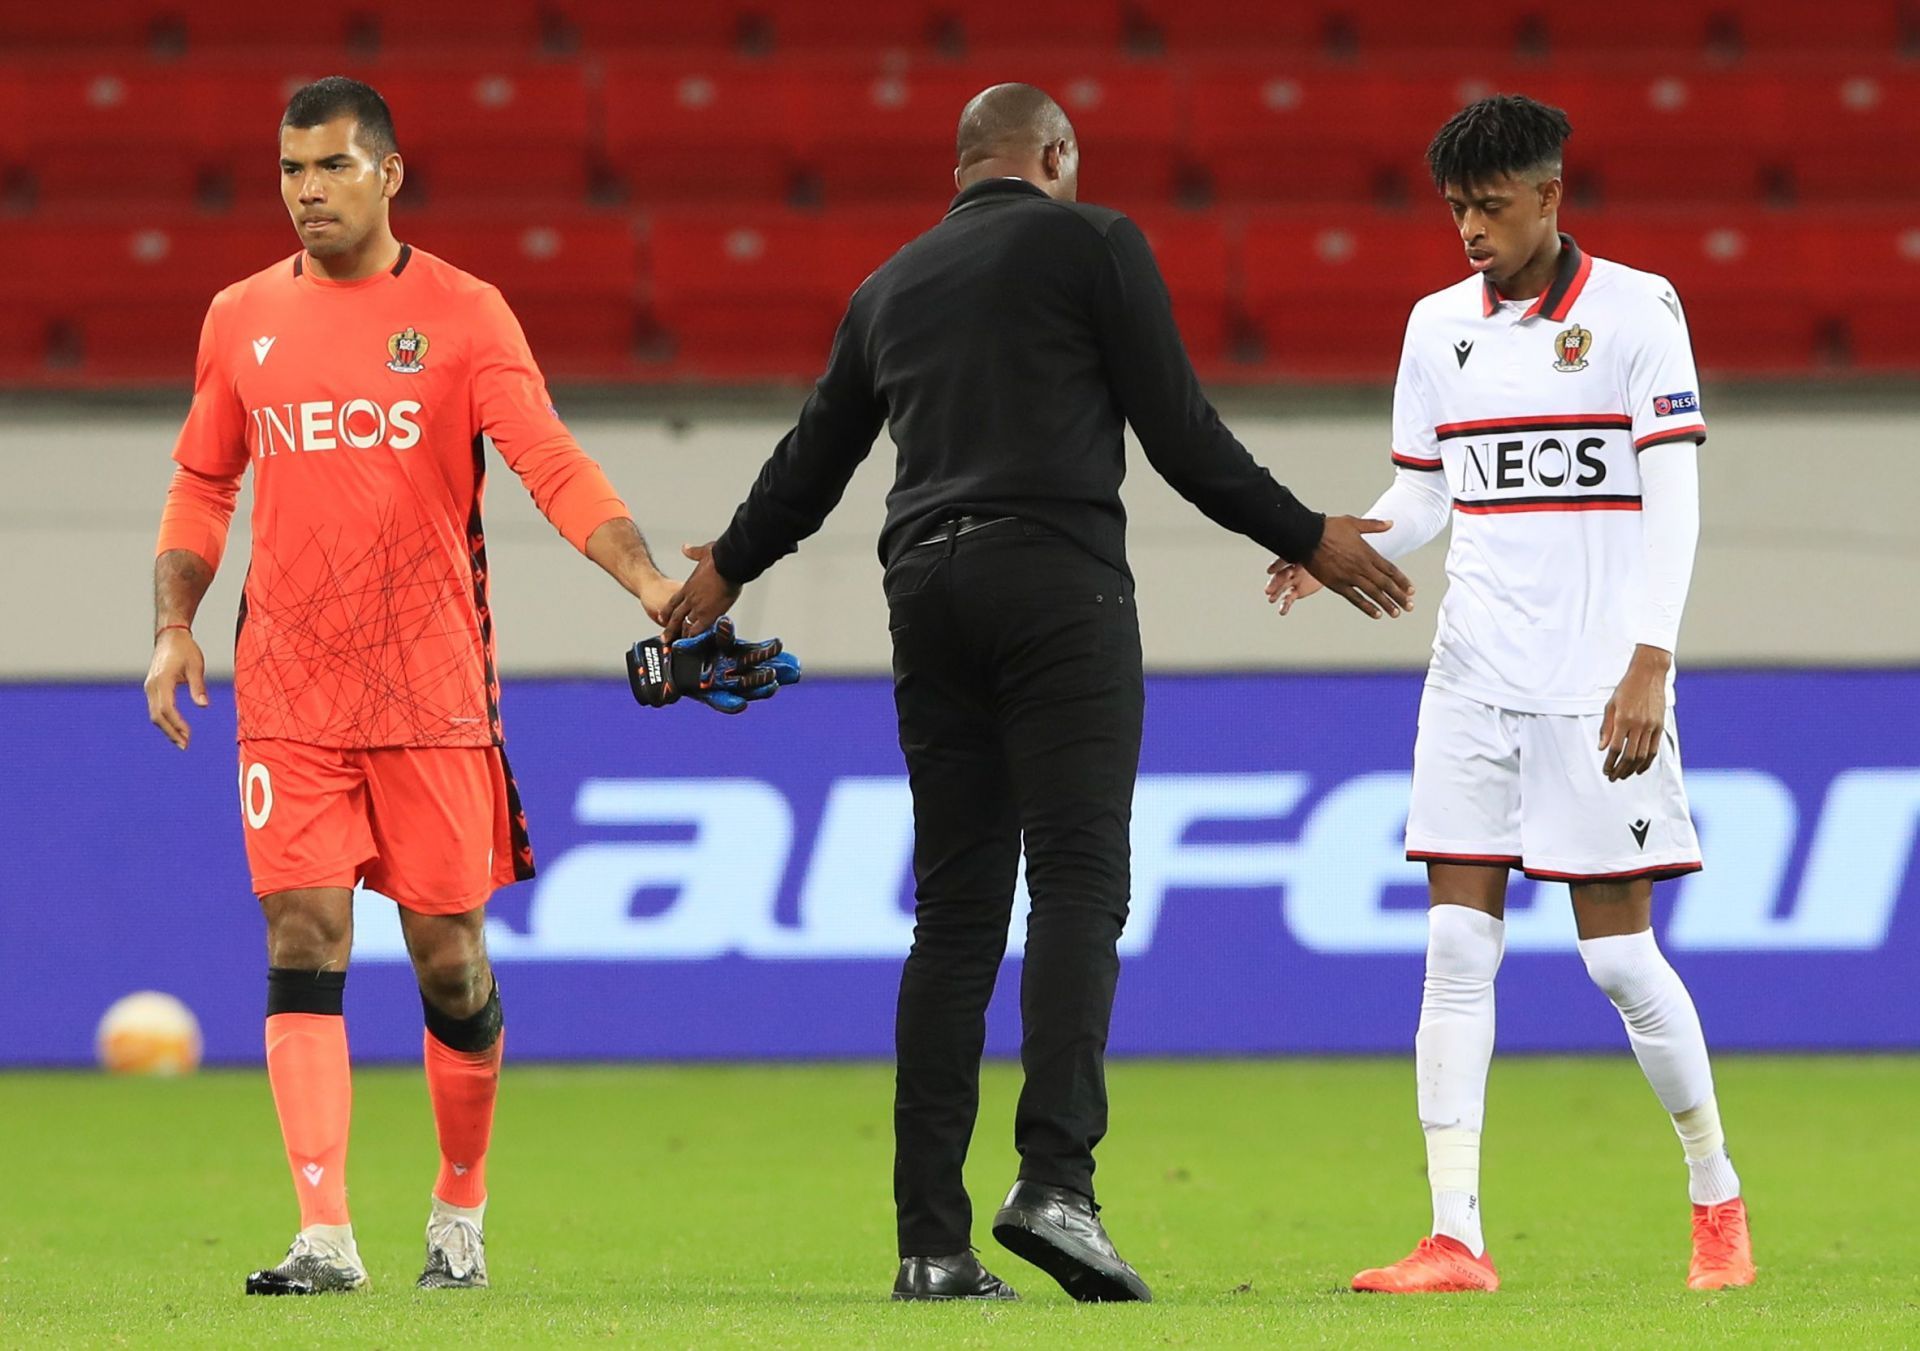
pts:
[717, 667]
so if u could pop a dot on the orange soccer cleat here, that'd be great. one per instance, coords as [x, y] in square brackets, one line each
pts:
[1722, 1247]
[1438, 1265]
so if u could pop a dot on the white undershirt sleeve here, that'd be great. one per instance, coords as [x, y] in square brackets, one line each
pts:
[1670, 521]
[1418, 505]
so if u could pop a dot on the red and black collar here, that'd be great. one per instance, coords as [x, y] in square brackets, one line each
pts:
[1569, 280]
[399, 264]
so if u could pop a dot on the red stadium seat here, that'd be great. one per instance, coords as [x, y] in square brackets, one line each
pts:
[111, 133]
[874, 134]
[1489, 29]
[1747, 280]
[877, 134]
[1053, 26]
[854, 243]
[473, 132]
[834, 27]
[1872, 28]
[1682, 31]
[738, 294]
[1331, 297]
[1677, 31]
[1701, 137]
[90, 27]
[444, 27]
[1870, 275]
[1195, 255]
[16, 140]
[756, 293]
[224, 28]
[573, 280]
[1843, 127]
[1238, 26]
[135, 294]
[24, 335]
[1297, 133]
[99, 139]
[694, 129]
[709, 27]
[1127, 118]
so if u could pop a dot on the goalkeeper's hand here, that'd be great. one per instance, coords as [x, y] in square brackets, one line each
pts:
[717, 667]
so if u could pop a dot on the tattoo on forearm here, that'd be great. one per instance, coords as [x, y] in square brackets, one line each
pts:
[180, 579]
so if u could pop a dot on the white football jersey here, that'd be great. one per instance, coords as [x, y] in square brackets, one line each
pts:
[1537, 414]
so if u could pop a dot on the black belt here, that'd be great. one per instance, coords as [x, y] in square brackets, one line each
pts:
[954, 527]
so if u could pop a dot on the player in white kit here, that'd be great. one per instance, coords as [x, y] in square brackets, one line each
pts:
[1547, 405]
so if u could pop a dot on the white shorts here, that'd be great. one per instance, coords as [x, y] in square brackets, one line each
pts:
[1529, 791]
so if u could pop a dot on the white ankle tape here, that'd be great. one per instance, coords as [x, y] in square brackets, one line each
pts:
[1699, 1130]
[1453, 1159]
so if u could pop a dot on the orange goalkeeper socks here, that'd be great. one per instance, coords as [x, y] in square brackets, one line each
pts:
[313, 1093]
[463, 1079]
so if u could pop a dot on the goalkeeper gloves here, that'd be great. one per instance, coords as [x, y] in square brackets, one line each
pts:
[717, 667]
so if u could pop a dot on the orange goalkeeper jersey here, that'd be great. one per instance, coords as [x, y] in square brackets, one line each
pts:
[361, 407]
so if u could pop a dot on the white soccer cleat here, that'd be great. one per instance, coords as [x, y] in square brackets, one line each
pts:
[323, 1260]
[456, 1249]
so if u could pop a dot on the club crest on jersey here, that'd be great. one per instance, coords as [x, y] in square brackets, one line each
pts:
[407, 351]
[1570, 347]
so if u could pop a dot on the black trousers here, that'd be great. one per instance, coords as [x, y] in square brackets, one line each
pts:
[1016, 660]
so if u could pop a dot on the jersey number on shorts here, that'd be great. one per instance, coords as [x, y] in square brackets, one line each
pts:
[256, 784]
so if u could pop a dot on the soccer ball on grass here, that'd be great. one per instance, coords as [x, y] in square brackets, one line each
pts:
[148, 1033]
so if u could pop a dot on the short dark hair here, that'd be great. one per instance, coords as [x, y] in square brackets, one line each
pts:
[338, 96]
[1504, 134]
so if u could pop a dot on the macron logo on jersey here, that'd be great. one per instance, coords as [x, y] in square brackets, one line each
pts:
[262, 346]
[1666, 405]
[321, 424]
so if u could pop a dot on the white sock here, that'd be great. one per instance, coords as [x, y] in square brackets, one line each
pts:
[336, 1239]
[1664, 1029]
[1711, 1180]
[475, 1215]
[1452, 1053]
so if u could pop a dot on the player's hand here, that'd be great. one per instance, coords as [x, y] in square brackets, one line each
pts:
[702, 598]
[1287, 583]
[177, 659]
[1347, 565]
[1636, 717]
[656, 596]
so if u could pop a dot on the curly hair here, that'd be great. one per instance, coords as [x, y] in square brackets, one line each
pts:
[1504, 134]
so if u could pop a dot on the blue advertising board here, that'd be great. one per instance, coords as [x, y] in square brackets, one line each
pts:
[740, 887]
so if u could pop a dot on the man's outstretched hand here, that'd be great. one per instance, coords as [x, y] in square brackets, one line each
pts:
[1287, 583]
[703, 598]
[1347, 565]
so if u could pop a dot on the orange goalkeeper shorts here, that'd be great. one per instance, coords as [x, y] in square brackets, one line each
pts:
[435, 828]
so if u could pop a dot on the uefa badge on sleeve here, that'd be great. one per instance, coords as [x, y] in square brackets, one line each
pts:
[407, 351]
[1570, 348]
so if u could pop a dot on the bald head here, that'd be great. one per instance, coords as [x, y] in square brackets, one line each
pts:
[1017, 131]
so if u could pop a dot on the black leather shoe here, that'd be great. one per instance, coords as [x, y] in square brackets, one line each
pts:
[1059, 1231]
[957, 1277]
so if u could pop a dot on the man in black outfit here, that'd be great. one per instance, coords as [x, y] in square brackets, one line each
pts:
[1004, 348]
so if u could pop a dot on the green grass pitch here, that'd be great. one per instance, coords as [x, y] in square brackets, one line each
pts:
[749, 1206]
